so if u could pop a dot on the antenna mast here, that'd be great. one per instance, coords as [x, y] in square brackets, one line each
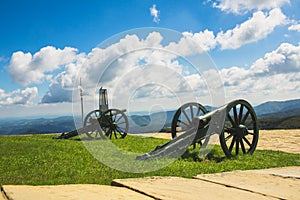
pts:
[81, 99]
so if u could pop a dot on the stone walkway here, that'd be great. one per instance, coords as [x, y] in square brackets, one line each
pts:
[277, 183]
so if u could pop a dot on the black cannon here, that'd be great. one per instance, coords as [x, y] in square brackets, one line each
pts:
[103, 122]
[235, 123]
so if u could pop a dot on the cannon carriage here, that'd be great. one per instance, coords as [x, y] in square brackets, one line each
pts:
[235, 123]
[103, 122]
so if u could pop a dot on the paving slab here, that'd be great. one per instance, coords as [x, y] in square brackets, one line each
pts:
[260, 183]
[175, 188]
[2, 196]
[286, 172]
[74, 192]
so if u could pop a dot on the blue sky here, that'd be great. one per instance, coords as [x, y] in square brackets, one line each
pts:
[43, 45]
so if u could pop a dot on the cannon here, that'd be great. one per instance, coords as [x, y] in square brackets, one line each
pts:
[235, 123]
[103, 122]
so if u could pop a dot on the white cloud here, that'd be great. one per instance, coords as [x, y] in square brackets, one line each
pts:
[120, 67]
[285, 59]
[252, 30]
[191, 44]
[294, 27]
[18, 96]
[25, 68]
[60, 90]
[275, 76]
[243, 6]
[154, 13]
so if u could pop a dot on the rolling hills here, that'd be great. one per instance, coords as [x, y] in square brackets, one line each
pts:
[271, 115]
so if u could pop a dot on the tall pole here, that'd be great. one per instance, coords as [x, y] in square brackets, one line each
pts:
[81, 99]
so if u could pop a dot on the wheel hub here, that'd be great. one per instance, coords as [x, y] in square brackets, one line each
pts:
[241, 131]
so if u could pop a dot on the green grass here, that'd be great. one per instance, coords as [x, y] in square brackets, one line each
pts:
[40, 160]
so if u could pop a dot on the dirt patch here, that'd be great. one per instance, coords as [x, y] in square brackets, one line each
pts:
[280, 140]
[277, 140]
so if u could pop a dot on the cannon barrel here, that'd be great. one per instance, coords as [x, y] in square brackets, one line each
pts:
[84, 129]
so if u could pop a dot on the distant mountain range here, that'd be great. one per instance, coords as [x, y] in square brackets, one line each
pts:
[34, 126]
[278, 107]
[272, 115]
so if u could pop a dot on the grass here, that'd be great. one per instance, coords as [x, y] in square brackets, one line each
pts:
[40, 160]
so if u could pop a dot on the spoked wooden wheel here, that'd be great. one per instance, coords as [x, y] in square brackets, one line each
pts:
[92, 119]
[114, 123]
[240, 134]
[183, 119]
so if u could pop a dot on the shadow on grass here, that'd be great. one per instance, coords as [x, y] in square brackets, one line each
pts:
[203, 155]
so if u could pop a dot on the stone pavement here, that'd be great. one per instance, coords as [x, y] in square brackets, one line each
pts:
[277, 183]
[66, 192]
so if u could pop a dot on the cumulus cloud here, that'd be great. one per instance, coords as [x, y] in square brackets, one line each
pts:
[285, 59]
[243, 6]
[120, 66]
[259, 26]
[194, 43]
[22, 97]
[25, 68]
[154, 13]
[275, 75]
[60, 90]
[295, 27]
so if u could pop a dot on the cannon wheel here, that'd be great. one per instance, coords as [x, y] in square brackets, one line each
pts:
[240, 132]
[91, 118]
[183, 119]
[114, 122]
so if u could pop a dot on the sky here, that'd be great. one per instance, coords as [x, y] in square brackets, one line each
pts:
[150, 55]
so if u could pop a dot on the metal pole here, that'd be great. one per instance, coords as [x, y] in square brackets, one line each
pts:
[81, 99]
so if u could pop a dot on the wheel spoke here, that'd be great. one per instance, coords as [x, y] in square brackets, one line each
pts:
[198, 111]
[228, 137]
[115, 116]
[235, 115]
[115, 134]
[249, 123]
[183, 123]
[250, 133]
[120, 128]
[192, 111]
[247, 141]
[237, 146]
[232, 144]
[231, 120]
[245, 117]
[186, 116]
[119, 118]
[243, 146]
[241, 113]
